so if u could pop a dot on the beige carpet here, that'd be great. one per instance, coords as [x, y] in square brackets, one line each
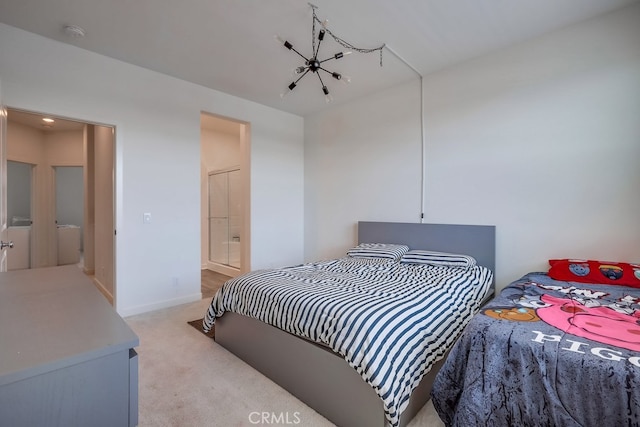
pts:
[186, 379]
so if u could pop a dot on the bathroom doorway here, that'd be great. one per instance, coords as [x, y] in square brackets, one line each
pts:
[225, 195]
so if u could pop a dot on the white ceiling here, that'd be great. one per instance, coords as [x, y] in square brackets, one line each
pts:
[35, 121]
[229, 45]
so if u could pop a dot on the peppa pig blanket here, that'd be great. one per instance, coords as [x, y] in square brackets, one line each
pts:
[546, 353]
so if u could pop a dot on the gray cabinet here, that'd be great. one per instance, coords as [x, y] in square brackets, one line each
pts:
[66, 357]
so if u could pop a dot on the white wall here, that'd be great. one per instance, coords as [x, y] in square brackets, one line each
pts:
[157, 120]
[362, 163]
[542, 140]
[63, 148]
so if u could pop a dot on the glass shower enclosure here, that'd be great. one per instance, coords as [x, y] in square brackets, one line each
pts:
[224, 217]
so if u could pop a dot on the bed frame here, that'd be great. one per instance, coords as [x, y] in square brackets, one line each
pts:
[315, 374]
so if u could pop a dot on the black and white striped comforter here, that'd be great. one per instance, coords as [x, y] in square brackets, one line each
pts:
[390, 321]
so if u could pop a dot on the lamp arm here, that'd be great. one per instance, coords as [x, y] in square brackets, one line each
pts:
[320, 38]
[321, 82]
[336, 56]
[326, 71]
[300, 78]
[328, 59]
[290, 47]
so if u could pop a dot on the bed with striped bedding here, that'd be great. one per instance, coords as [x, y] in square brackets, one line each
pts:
[390, 320]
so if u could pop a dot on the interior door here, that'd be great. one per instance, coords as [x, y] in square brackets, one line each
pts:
[3, 186]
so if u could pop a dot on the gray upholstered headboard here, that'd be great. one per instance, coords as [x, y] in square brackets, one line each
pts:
[479, 241]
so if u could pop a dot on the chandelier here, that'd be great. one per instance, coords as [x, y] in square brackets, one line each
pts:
[314, 64]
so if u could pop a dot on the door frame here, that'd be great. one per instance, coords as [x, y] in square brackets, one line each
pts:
[114, 170]
[3, 183]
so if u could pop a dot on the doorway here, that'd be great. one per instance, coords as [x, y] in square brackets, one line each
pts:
[71, 201]
[19, 214]
[69, 197]
[225, 195]
[224, 217]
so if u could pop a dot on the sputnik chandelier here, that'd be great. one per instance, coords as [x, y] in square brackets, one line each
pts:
[314, 64]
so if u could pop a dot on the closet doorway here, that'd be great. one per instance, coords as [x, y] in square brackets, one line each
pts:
[225, 195]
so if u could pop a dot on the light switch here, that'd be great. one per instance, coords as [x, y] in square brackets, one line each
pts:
[146, 218]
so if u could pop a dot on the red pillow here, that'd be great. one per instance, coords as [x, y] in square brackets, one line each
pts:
[590, 271]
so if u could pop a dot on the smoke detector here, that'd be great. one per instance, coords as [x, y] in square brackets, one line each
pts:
[74, 31]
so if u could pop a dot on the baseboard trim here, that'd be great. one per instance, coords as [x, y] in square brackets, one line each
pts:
[223, 269]
[103, 290]
[132, 311]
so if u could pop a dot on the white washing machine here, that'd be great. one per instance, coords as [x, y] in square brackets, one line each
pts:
[68, 244]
